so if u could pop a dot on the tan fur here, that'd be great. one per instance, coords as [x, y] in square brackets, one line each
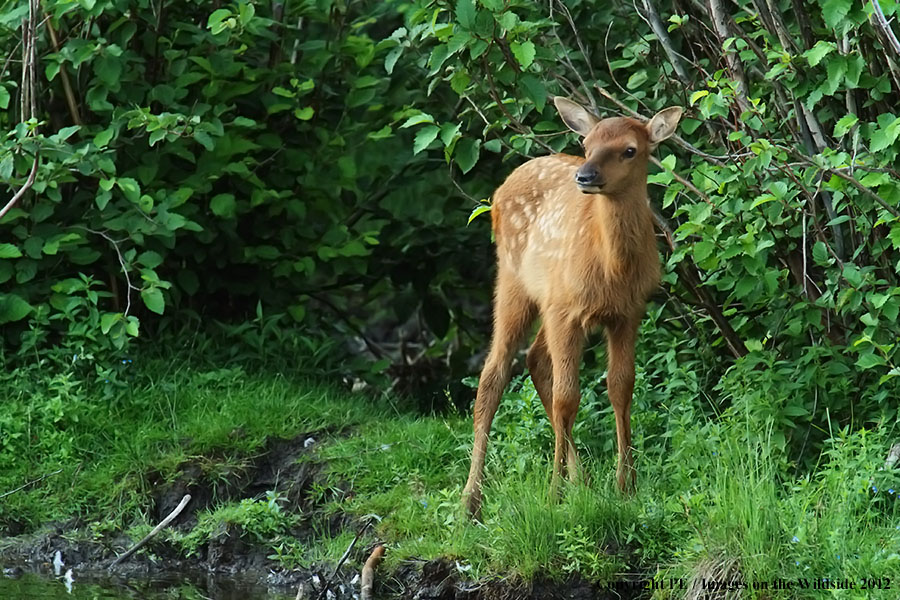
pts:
[579, 260]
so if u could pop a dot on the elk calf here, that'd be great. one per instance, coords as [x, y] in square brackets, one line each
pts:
[575, 245]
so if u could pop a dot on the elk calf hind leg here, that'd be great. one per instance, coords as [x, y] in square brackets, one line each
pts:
[541, 369]
[620, 384]
[565, 341]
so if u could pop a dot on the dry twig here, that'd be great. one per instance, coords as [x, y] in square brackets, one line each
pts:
[30, 483]
[162, 525]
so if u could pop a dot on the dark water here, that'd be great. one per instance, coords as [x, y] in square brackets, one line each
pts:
[37, 587]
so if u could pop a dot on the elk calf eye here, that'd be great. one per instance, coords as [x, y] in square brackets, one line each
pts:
[629, 152]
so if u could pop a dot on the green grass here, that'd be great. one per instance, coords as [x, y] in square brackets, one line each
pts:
[710, 492]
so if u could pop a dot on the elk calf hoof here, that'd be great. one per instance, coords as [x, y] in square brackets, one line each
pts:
[471, 501]
[626, 483]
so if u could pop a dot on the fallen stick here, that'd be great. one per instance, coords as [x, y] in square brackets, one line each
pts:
[367, 580]
[156, 530]
[32, 482]
[324, 590]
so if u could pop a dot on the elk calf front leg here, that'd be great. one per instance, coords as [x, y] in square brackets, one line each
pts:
[513, 312]
[620, 338]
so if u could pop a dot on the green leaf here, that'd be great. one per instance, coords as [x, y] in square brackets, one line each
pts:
[130, 188]
[417, 119]
[450, 132]
[869, 361]
[835, 11]
[6, 167]
[304, 114]
[13, 308]
[204, 139]
[159, 134]
[894, 235]
[480, 209]
[815, 54]
[460, 81]
[4, 98]
[438, 56]
[391, 59]
[886, 135]
[493, 145]
[820, 253]
[534, 90]
[153, 299]
[223, 205]
[508, 20]
[150, 259]
[845, 124]
[102, 139]
[424, 137]
[7, 250]
[214, 23]
[132, 325]
[102, 198]
[702, 250]
[108, 320]
[465, 13]
[108, 69]
[697, 95]
[524, 53]
[637, 79]
[246, 13]
[466, 153]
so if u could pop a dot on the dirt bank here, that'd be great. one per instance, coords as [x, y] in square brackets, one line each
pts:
[290, 467]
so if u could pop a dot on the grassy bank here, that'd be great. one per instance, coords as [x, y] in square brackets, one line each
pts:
[716, 498]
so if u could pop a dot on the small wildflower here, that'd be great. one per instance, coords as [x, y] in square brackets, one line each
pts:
[838, 556]
[891, 491]
[424, 503]
[644, 526]
[874, 489]
[106, 381]
[797, 562]
[124, 361]
[795, 539]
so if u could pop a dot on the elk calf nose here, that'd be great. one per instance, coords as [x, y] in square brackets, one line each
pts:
[586, 175]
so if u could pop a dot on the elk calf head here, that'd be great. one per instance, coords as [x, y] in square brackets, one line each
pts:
[616, 150]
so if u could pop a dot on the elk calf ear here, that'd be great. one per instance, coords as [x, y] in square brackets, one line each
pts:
[663, 124]
[576, 117]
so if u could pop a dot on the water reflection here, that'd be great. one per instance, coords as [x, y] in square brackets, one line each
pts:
[30, 586]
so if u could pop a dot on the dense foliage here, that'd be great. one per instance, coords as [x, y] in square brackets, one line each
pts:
[314, 162]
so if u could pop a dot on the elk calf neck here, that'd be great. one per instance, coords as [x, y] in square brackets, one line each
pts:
[575, 246]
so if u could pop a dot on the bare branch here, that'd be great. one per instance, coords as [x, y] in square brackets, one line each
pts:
[720, 19]
[162, 525]
[662, 35]
[885, 26]
[28, 183]
[115, 244]
[67, 85]
[30, 483]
